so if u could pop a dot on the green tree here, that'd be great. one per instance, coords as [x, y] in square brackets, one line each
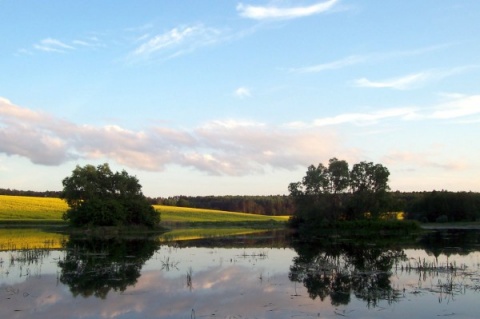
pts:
[318, 195]
[333, 193]
[369, 186]
[96, 196]
[309, 194]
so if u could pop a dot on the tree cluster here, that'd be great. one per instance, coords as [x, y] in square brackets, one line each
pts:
[98, 197]
[335, 192]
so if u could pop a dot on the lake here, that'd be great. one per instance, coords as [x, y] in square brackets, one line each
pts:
[256, 275]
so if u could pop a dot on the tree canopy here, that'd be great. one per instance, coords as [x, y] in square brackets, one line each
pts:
[98, 197]
[334, 192]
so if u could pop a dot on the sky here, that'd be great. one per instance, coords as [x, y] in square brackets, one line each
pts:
[239, 97]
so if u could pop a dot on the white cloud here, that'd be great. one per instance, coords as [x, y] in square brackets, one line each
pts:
[53, 45]
[218, 147]
[176, 41]
[374, 57]
[272, 12]
[366, 118]
[348, 61]
[88, 42]
[402, 83]
[412, 81]
[229, 147]
[461, 107]
[242, 92]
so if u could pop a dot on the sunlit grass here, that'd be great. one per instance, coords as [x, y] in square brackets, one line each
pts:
[183, 214]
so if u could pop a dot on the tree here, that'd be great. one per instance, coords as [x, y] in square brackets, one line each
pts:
[317, 196]
[98, 197]
[332, 193]
[369, 186]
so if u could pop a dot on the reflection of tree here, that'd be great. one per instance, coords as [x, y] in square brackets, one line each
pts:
[95, 266]
[464, 242]
[337, 270]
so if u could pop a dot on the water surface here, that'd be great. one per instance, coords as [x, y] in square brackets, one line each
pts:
[248, 276]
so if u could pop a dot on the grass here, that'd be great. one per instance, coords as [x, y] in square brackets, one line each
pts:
[44, 210]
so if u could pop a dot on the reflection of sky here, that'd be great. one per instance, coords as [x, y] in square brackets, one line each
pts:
[226, 283]
[16, 272]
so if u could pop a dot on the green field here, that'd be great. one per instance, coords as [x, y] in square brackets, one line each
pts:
[28, 210]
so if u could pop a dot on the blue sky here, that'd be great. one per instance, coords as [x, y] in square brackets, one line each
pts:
[229, 97]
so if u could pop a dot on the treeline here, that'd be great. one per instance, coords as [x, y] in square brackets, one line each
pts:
[15, 192]
[438, 206]
[431, 206]
[272, 205]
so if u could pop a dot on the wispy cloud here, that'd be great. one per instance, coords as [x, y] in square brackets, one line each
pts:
[463, 106]
[412, 81]
[176, 41]
[402, 83]
[242, 92]
[89, 42]
[348, 61]
[459, 108]
[53, 45]
[366, 118]
[374, 57]
[274, 12]
[428, 158]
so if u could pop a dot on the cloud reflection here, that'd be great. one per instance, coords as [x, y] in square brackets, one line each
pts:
[234, 288]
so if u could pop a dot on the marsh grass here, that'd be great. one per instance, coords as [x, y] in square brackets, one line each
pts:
[450, 279]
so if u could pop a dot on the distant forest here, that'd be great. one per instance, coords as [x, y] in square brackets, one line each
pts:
[434, 206]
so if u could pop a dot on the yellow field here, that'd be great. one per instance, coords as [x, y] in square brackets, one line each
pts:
[184, 214]
[28, 208]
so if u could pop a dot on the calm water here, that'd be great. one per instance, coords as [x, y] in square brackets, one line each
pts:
[256, 276]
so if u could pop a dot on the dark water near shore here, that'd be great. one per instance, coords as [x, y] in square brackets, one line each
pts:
[262, 275]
